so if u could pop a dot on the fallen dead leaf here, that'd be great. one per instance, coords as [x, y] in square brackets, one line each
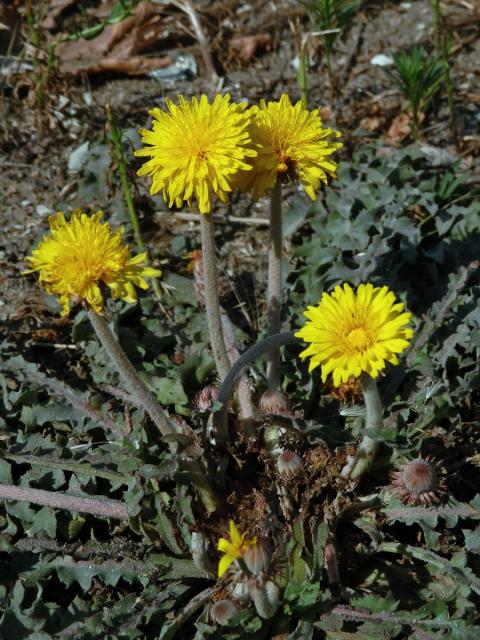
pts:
[370, 123]
[245, 48]
[399, 129]
[118, 47]
[326, 113]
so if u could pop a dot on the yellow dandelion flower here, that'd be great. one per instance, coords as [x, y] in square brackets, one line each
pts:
[80, 255]
[355, 332]
[196, 149]
[233, 548]
[291, 144]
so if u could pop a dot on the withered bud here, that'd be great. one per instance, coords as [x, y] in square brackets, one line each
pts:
[275, 402]
[258, 556]
[289, 463]
[419, 482]
[222, 611]
[205, 398]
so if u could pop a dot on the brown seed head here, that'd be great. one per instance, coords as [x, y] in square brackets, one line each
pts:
[222, 611]
[275, 402]
[205, 398]
[289, 463]
[419, 482]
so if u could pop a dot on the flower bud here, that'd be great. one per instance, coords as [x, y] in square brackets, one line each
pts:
[275, 402]
[258, 556]
[266, 599]
[289, 463]
[222, 611]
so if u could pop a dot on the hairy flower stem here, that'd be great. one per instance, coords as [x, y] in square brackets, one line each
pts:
[140, 393]
[57, 500]
[246, 359]
[212, 304]
[129, 375]
[274, 308]
[367, 448]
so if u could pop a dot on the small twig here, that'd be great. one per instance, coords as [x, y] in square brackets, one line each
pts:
[193, 217]
[187, 7]
[189, 609]
[103, 508]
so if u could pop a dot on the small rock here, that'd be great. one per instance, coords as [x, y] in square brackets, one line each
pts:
[381, 60]
[42, 210]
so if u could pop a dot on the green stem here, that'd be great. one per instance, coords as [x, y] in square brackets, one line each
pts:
[129, 375]
[368, 447]
[302, 74]
[119, 157]
[274, 308]
[212, 303]
[116, 139]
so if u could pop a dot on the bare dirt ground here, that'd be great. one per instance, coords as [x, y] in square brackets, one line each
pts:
[35, 151]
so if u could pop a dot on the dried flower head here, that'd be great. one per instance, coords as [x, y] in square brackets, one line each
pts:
[196, 149]
[222, 611]
[275, 402]
[78, 257]
[419, 482]
[233, 548]
[291, 144]
[355, 332]
[289, 464]
[205, 398]
[347, 392]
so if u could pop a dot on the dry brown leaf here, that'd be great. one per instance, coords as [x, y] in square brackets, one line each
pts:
[245, 48]
[118, 47]
[399, 129]
[370, 123]
[326, 113]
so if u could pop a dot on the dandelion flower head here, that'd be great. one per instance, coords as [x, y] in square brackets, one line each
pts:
[233, 548]
[78, 256]
[196, 149]
[355, 332]
[291, 144]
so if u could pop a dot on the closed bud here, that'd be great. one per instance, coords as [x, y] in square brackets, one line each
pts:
[222, 611]
[258, 556]
[205, 398]
[266, 599]
[289, 463]
[275, 402]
